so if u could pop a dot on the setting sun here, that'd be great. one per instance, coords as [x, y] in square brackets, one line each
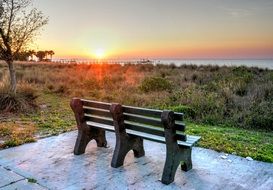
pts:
[100, 53]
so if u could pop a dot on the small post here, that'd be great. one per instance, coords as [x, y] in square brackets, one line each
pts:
[124, 142]
[85, 133]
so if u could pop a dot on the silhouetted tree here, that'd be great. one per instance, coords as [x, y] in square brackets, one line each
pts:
[31, 54]
[18, 27]
[51, 53]
[41, 55]
[22, 56]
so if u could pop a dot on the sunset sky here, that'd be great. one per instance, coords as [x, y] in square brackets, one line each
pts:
[192, 29]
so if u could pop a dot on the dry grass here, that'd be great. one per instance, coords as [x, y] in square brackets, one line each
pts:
[22, 101]
[14, 134]
[217, 96]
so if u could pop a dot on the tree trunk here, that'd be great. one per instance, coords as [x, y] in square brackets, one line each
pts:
[12, 73]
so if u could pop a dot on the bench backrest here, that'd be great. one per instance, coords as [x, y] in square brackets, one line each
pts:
[135, 118]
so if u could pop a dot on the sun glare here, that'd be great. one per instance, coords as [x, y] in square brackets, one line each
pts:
[100, 53]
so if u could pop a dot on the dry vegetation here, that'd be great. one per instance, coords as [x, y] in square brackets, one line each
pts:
[237, 97]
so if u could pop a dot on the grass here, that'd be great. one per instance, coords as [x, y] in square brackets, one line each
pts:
[14, 134]
[230, 108]
[242, 142]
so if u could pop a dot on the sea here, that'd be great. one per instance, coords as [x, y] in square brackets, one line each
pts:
[265, 64]
[260, 63]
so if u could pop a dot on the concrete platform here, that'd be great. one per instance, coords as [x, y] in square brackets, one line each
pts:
[51, 162]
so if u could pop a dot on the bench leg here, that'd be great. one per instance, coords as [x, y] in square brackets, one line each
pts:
[124, 144]
[83, 139]
[121, 149]
[137, 146]
[186, 158]
[85, 136]
[100, 138]
[171, 164]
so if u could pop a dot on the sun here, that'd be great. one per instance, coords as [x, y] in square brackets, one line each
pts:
[100, 53]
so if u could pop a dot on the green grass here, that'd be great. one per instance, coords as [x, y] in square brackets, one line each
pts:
[242, 142]
[56, 118]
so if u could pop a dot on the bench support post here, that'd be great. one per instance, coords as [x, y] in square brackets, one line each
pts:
[124, 142]
[175, 154]
[85, 133]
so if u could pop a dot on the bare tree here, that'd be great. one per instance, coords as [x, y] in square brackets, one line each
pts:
[18, 27]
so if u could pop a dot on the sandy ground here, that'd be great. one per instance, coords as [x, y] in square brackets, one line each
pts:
[51, 162]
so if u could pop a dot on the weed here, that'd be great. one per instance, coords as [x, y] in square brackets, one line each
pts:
[151, 84]
[31, 180]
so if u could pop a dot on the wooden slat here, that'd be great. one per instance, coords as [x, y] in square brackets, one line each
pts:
[102, 126]
[158, 138]
[180, 126]
[96, 111]
[142, 111]
[146, 136]
[130, 109]
[97, 119]
[144, 128]
[181, 137]
[143, 119]
[191, 140]
[149, 112]
[96, 104]
[178, 116]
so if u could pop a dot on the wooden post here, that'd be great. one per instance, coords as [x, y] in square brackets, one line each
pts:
[85, 133]
[174, 154]
[124, 142]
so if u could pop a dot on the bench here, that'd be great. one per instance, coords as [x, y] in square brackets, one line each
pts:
[131, 125]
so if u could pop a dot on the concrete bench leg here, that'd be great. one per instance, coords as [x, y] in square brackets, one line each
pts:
[124, 142]
[174, 154]
[171, 164]
[186, 158]
[85, 133]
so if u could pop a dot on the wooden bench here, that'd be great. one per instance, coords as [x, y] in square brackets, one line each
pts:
[131, 125]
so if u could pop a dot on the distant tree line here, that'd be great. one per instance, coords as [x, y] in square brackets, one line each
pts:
[29, 55]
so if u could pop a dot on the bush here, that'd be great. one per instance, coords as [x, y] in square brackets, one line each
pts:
[188, 111]
[22, 101]
[152, 84]
[261, 116]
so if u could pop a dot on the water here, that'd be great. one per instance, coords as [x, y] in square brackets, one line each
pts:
[248, 63]
[268, 63]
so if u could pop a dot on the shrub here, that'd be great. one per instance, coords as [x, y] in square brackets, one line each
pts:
[152, 84]
[261, 116]
[91, 83]
[188, 111]
[22, 101]
[62, 89]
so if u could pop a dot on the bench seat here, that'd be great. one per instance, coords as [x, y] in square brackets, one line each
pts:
[191, 140]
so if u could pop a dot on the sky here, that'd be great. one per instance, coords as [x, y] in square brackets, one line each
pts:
[162, 29]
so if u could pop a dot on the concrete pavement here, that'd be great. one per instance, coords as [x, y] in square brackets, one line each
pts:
[51, 164]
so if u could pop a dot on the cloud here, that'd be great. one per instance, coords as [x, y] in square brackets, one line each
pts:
[237, 13]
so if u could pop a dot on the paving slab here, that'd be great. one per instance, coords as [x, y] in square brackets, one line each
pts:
[52, 163]
[8, 177]
[23, 185]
